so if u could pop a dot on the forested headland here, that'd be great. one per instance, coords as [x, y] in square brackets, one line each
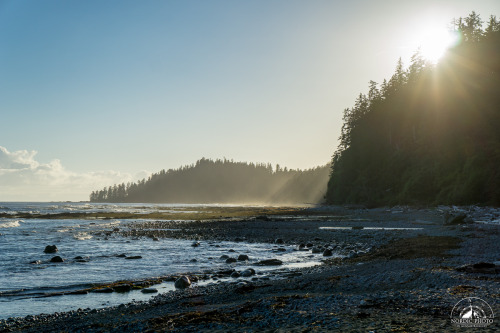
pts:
[431, 133]
[223, 181]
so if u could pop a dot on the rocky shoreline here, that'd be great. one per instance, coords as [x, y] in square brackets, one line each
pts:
[403, 269]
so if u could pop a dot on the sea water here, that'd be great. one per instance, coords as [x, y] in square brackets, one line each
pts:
[27, 276]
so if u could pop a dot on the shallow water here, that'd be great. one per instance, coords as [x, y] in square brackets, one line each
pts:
[22, 241]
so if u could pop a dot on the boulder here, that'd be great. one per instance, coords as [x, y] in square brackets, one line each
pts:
[51, 249]
[182, 282]
[248, 272]
[56, 259]
[328, 253]
[243, 257]
[270, 262]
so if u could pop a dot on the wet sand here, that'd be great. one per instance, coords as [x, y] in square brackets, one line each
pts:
[398, 274]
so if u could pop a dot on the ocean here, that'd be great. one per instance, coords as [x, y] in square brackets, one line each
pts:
[28, 278]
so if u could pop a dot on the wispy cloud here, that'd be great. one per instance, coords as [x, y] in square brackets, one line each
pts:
[23, 178]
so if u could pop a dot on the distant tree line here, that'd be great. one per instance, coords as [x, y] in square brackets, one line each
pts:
[223, 181]
[431, 133]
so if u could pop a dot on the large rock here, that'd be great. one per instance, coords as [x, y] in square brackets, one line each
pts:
[56, 259]
[51, 249]
[270, 262]
[182, 282]
[243, 257]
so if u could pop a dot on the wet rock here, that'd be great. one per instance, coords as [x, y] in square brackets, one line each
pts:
[193, 260]
[78, 258]
[104, 290]
[123, 255]
[281, 249]
[481, 267]
[57, 259]
[182, 282]
[302, 246]
[231, 250]
[36, 262]
[133, 257]
[235, 275]
[327, 253]
[195, 244]
[230, 260]
[122, 288]
[270, 262]
[243, 257]
[309, 245]
[155, 239]
[149, 290]
[224, 256]
[316, 250]
[248, 272]
[456, 218]
[279, 241]
[50, 249]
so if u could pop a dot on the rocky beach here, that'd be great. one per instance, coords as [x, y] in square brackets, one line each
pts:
[398, 269]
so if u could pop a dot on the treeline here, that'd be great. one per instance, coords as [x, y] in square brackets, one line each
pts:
[223, 181]
[431, 133]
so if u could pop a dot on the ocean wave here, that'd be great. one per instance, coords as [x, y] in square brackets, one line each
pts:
[10, 224]
[82, 236]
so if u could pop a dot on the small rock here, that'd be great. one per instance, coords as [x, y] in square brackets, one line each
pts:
[279, 241]
[235, 275]
[51, 249]
[281, 249]
[182, 282]
[248, 272]
[122, 288]
[133, 257]
[230, 260]
[155, 239]
[36, 262]
[231, 250]
[327, 253]
[195, 244]
[316, 250]
[224, 256]
[243, 257]
[193, 260]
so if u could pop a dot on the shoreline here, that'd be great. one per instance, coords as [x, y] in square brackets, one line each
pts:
[393, 279]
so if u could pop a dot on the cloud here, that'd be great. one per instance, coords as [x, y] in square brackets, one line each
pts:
[23, 178]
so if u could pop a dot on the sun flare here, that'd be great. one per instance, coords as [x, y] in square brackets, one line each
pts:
[434, 43]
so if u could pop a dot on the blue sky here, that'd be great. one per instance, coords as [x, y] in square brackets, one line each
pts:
[107, 91]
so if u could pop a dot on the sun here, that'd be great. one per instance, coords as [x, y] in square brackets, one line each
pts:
[435, 41]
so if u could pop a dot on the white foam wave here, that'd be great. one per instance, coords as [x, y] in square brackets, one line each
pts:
[10, 224]
[82, 236]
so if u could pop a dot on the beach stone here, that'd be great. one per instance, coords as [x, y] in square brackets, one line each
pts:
[235, 275]
[270, 262]
[243, 257]
[56, 259]
[149, 290]
[230, 260]
[327, 253]
[50, 249]
[248, 272]
[279, 241]
[182, 282]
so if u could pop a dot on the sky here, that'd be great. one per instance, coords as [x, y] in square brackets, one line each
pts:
[94, 93]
